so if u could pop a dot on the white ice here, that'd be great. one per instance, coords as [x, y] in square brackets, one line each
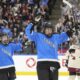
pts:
[35, 78]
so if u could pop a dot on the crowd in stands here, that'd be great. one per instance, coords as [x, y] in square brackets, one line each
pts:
[16, 14]
[70, 19]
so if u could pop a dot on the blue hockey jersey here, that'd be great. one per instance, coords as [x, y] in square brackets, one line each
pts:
[6, 53]
[47, 48]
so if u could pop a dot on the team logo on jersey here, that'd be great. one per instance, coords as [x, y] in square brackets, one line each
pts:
[49, 42]
[6, 52]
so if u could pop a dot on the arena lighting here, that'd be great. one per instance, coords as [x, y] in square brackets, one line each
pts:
[66, 2]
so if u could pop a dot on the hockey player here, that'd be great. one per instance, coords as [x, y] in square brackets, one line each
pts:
[7, 67]
[47, 46]
[73, 59]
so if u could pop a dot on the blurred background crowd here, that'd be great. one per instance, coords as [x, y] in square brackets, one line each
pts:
[16, 14]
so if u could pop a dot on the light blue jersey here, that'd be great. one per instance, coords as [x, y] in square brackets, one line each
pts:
[6, 53]
[47, 48]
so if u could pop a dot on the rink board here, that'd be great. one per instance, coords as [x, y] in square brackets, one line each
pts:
[26, 65]
[34, 73]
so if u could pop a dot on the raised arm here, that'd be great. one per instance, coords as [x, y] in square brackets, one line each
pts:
[64, 36]
[60, 38]
[16, 46]
[32, 36]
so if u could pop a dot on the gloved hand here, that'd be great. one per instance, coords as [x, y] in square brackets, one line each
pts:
[70, 32]
[72, 50]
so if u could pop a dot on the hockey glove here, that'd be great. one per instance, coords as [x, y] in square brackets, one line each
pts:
[72, 50]
[70, 32]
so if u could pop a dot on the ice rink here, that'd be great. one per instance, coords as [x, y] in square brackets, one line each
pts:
[35, 78]
[26, 68]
